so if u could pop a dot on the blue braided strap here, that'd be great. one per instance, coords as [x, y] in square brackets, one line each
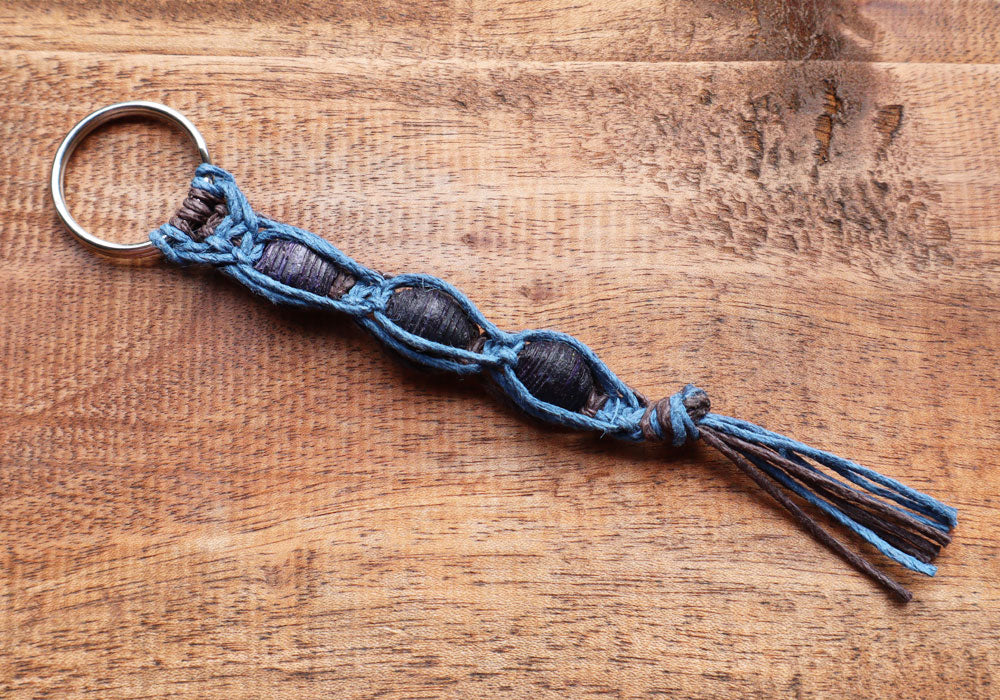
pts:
[237, 243]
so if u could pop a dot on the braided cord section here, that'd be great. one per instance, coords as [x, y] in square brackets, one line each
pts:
[237, 243]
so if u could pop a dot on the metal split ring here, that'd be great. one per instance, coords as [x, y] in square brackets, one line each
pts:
[73, 139]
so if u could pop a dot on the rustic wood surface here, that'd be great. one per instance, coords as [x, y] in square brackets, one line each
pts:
[793, 204]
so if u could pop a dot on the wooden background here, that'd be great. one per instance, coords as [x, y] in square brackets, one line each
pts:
[793, 204]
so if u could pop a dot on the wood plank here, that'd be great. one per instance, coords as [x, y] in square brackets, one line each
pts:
[952, 31]
[206, 496]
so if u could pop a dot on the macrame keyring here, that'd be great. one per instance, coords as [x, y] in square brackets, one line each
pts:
[549, 375]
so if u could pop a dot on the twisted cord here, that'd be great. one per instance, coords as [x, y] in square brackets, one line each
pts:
[237, 243]
[907, 526]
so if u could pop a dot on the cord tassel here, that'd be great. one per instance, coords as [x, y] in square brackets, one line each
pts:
[803, 518]
[901, 523]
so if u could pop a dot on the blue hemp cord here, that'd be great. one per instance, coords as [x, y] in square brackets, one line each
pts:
[238, 242]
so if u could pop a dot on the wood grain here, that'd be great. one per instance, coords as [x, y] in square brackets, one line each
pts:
[205, 496]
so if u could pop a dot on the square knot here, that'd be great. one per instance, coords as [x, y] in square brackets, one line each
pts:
[367, 296]
[500, 352]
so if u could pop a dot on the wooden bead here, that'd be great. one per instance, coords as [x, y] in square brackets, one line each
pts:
[555, 373]
[432, 315]
[297, 266]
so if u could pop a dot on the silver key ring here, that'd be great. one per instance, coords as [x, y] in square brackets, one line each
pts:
[73, 139]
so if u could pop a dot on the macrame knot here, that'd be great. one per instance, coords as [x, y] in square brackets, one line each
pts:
[675, 418]
[551, 376]
[371, 297]
[499, 351]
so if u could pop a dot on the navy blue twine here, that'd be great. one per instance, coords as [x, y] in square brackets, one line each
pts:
[238, 242]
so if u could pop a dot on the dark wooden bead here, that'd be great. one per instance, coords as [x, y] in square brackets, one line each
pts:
[555, 373]
[297, 266]
[432, 315]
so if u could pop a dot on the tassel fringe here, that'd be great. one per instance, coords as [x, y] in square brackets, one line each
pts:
[901, 523]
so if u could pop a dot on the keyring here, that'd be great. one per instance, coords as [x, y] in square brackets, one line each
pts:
[551, 376]
[73, 139]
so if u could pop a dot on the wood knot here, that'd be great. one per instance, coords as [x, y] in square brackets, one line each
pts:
[433, 315]
[555, 373]
[296, 265]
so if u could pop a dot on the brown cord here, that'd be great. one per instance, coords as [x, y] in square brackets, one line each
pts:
[901, 539]
[200, 213]
[697, 404]
[882, 509]
[811, 525]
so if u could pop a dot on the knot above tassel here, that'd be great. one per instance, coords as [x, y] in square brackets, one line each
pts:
[675, 418]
